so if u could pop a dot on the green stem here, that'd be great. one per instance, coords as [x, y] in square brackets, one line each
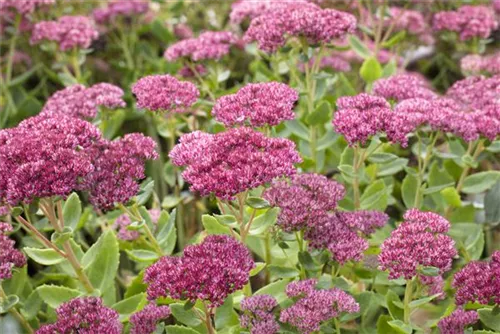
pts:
[19, 317]
[357, 163]
[208, 321]
[268, 257]
[407, 300]
[76, 65]
[153, 240]
[200, 80]
[423, 167]
[300, 240]
[12, 49]
[38, 235]
[337, 325]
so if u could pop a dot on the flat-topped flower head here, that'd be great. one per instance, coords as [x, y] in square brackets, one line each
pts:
[257, 105]
[364, 221]
[78, 101]
[258, 316]
[406, 19]
[85, 315]
[228, 163]
[250, 9]
[10, 257]
[68, 31]
[476, 64]
[297, 19]
[360, 117]
[400, 87]
[313, 307]
[302, 198]
[164, 93]
[24, 7]
[208, 45]
[116, 9]
[420, 241]
[209, 271]
[145, 321]
[458, 321]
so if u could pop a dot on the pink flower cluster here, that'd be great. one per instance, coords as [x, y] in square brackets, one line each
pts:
[257, 105]
[313, 307]
[302, 198]
[209, 271]
[457, 321]
[188, 72]
[476, 64]
[298, 19]
[86, 315]
[123, 222]
[467, 21]
[405, 19]
[420, 241]
[10, 257]
[78, 101]
[144, 321]
[164, 93]
[243, 9]
[400, 87]
[24, 7]
[68, 31]
[257, 316]
[478, 282]
[120, 8]
[233, 161]
[208, 45]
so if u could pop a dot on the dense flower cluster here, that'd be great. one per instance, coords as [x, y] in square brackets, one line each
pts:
[364, 221]
[314, 307]
[123, 222]
[257, 105]
[144, 321]
[420, 241]
[298, 19]
[24, 7]
[478, 282]
[188, 72]
[209, 271]
[243, 9]
[208, 45]
[400, 87]
[68, 31]
[78, 101]
[120, 8]
[86, 315]
[457, 321]
[467, 21]
[258, 314]
[9, 256]
[410, 20]
[164, 93]
[233, 161]
[302, 198]
[476, 64]
[360, 117]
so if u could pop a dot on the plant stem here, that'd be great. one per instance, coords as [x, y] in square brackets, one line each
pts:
[358, 161]
[422, 166]
[152, 239]
[337, 325]
[76, 65]
[19, 317]
[208, 321]
[268, 257]
[39, 235]
[300, 240]
[12, 49]
[407, 300]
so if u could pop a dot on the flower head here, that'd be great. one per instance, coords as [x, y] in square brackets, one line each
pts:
[24, 7]
[209, 271]
[208, 45]
[120, 9]
[457, 321]
[9, 256]
[302, 198]
[123, 222]
[243, 9]
[85, 315]
[144, 321]
[68, 31]
[233, 161]
[314, 307]
[258, 314]
[420, 241]
[164, 93]
[400, 87]
[257, 104]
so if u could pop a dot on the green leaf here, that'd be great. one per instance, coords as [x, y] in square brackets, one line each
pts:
[263, 222]
[212, 226]
[129, 305]
[383, 326]
[400, 326]
[54, 295]
[59, 238]
[283, 272]
[223, 76]
[390, 69]
[423, 301]
[142, 255]
[320, 115]
[375, 196]
[308, 262]
[275, 289]
[45, 256]
[176, 329]
[494, 147]
[145, 192]
[24, 76]
[257, 203]
[227, 220]
[357, 46]
[409, 189]
[491, 204]
[429, 271]
[393, 302]
[400, 36]
[480, 182]
[451, 197]
[167, 233]
[225, 316]
[8, 303]
[382, 158]
[72, 211]
[258, 268]
[490, 318]
[392, 167]
[298, 129]
[327, 140]
[101, 261]
[370, 70]
[187, 317]
[469, 236]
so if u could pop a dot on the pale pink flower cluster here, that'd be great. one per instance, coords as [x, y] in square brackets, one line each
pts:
[68, 31]
[208, 45]
[458, 321]
[403, 86]
[258, 314]
[257, 105]
[120, 9]
[243, 9]
[24, 6]
[406, 19]
[476, 64]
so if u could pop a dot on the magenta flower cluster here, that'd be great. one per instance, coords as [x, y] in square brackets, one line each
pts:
[302, 199]
[10, 257]
[250, 9]
[467, 21]
[257, 105]
[86, 315]
[228, 163]
[420, 241]
[476, 64]
[145, 321]
[457, 321]
[298, 19]
[78, 101]
[123, 222]
[209, 271]
[258, 316]
[120, 9]
[400, 87]
[68, 31]
[313, 307]
[24, 7]
[208, 45]
[164, 93]
[478, 282]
